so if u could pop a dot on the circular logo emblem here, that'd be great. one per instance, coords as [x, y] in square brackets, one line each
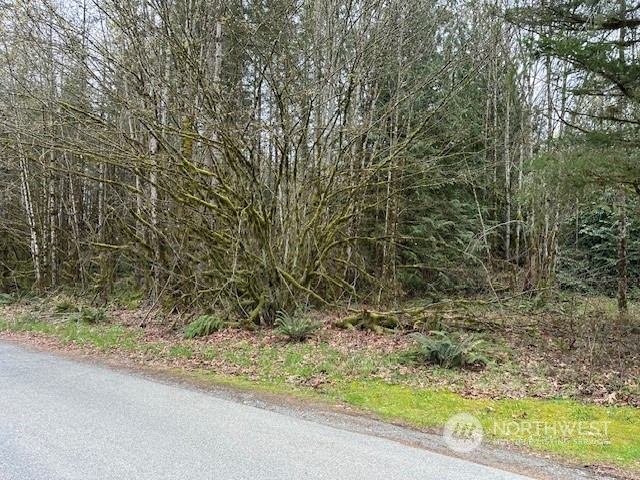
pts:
[463, 433]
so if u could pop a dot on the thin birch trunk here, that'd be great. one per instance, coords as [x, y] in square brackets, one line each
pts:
[75, 224]
[31, 219]
[507, 178]
[391, 205]
[52, 212]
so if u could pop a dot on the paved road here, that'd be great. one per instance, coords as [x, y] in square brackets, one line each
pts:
[63, 420]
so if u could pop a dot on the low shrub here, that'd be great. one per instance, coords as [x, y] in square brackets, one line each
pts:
[65, 306]
[297, 328]
[204, 325]
[6, 299]
[91, 315]
[450, 350]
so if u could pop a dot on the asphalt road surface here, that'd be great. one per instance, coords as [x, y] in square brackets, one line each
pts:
[64, 420]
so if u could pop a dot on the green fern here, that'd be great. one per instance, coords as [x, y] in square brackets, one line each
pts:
[6, 299]
[297, 328]
[92, 315]
[450, 351]
[65, 306]
[204, 325]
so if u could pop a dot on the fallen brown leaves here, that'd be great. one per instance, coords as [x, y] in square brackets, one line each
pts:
[531, 357]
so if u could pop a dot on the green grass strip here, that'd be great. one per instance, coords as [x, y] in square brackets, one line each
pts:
[569, 429]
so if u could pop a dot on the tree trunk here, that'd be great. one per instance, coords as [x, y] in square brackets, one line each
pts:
[622, 256]
[507, 177]
[31, 218]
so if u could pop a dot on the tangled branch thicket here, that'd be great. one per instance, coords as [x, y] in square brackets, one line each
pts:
[256, 157]
[246, 157]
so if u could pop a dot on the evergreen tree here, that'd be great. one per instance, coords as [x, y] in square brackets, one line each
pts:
[595, 43]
